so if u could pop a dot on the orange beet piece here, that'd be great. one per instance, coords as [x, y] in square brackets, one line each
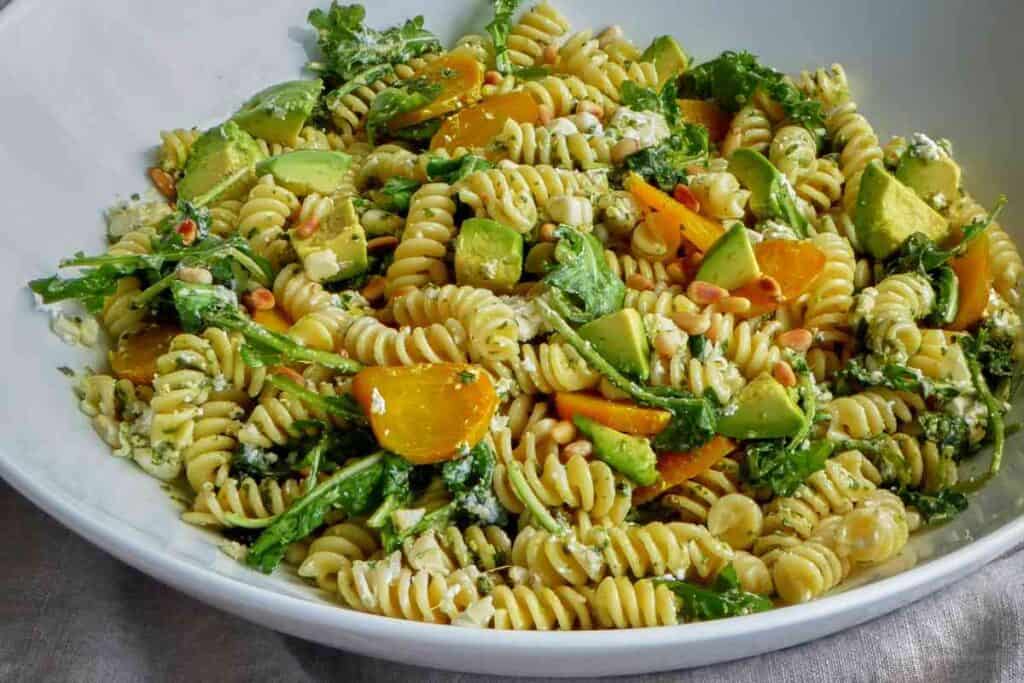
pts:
[135, 356]
[273, 319]
[699, 231]
[794, 265]
[974, 275]
[619, 415]
[476, 126]
[460, 77]
[427, 413]
[675, 468]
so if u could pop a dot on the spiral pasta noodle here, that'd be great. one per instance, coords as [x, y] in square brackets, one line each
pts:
[263, 217]
[899, 301]
[582, 56]
[525, 143]
[750, 129]
[542, 25]
[175, 146]
[820, 184]
[563, 94]
[419, 258]
[830, 298]
[720, 195]
[546, 368]
[338, 545]
[527, 608]
[871, 412]
[620, 603]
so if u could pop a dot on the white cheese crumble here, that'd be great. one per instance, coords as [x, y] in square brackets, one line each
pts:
[774, 230]
[528, 316]
[646, 127]
[377, 405]
[923, 147]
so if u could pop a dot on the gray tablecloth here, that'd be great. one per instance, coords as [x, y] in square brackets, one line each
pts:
[69, 612]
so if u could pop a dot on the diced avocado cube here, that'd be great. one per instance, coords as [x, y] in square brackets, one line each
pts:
[278, 113]
[771, 195]
[668, 56]
[730, 262]
[888, 212]
[305, 171]
[620, 338]
[764, 409]
[217, 154]
[929, 171]
[630, 455]
[337, 250]
[489, 255]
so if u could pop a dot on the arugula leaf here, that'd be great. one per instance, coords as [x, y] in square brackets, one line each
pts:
[498, 30]
[855, 376]
[732, 78]
[399, 190]
[451, 171]
[351, 489]
[201, 306]
[401, 98]
[344, 406]
[772, 464]
[349, 48]
[973, 350]
[693, 419]
[665, 163]
[936, 508]
[949, 432]
[994, 347]
[723, 598]
[664, 102]
[419, 132]
[582, 286]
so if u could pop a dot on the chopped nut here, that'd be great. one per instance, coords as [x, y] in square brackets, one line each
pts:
[588, 107]
[691, 323]
[374, 288]
[770, 286]
[784, 374]
[188, 231]
[195, 275]
[493, 77]
[260, 299]
[704, 293]
[676, 272]
[383, 242]
[667, 343]
[288, 373]
[798, 339]
[547, 232]
[580, 447]
[563, 432]
[638, 281]
[164, 182]
[307, 228]
[733, 304]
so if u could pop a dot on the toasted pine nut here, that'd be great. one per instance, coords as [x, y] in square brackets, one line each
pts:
[733, 304]
[382, 242]
[588, 107]
[704, 293]
[260, 299]
[581, 448]
[493, 77]
[307, 228]
[638, 281]
[374, 289]
[676, 272]
[667, 343]
[563, 432]
[547, 232]
[624, 148]
[784, 374]
[195, 275]
[798, 339]
[770, 286]
[164, 182]
[691, 323]
[545, 114]
[550, 54]
[287, 372]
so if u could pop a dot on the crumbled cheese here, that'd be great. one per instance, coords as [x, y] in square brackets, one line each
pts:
[923, 147]
[754, 236]
[730, 409]
[528, 317]
[233, 549]
[938, 201]
[528, 364]
[774, 230]
[407, 518]
[377, 405]
[587, 123]
[506, 386]
[646, 127]
[74, 331]
[132, 214]
[321, 265]
[499, 422]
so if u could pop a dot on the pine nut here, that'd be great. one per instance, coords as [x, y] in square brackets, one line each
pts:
[624, 148]
[638, 281]
[797, 339]
[770, 286]
[563, 432]
[667, 343]
[704, 293]
[581, 448]
[260, 299]
[784, 374]
[164, 182]
[547, 232]
[195, 275]
[188, 231]
[733, 304]
[691, 323]
[374, 289]
[383, 242]
[493, 77]
[307, 228]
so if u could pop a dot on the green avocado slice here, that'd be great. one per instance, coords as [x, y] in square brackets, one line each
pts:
[279, 112]
[630, 455]
[764, 409]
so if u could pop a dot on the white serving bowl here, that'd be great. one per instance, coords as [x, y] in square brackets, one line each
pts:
[84, 88]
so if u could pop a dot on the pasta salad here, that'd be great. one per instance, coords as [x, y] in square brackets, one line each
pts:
[544, 330]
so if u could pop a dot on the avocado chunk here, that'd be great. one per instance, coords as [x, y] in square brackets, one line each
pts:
[305, 171]
[771, 195]
[668, 56]
[888, 212]
[337, 250]
[278, 113]
[730, 262]
[489, 255]
[218, 153]
[630, 455]
[621, 339]
[929, 171]
[763, 410]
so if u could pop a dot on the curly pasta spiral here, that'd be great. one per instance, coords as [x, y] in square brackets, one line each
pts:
[899, 302]
[120, 314]
[246, 500]
[386, 162]
[928, 468]
[582, 56]
[224, 217]
[858, 146]
[820, 184]
[503, 196]
[209, 456]
[490, 323]
[871, 412]
[830, 298]
[720, 195]
[683, 371]
[792, 150]
[484, 547]
[619, 603]
[1007, 267]
[541, 26]
[263, 217]
[525, 608]
[876, 531]
[372, 342]
[806, 570]
[546, 368]
[525, 143]
[563, 93]
[749, 345]
[136, 242]
[333, 548]
[665, 302]
[175, 146]
[271, 421]
[624, 266]
[419, 257]
[750, 128]
[828, 86]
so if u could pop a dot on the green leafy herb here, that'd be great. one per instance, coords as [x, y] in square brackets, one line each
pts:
[351, 489]
[993, 346]
[498, 30]
[723, 598]
[949, 432]
[693, 419]
[419, 132]
[973, 350]
[349, 48]
[732, 78]
[399, 190]
[855, 376]
[401, 98]
[936, 508]
[344, 406]
[451, 171]
[582, 286]
[665, 163]
[531, 73]
[664, 102]
[773, 465]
